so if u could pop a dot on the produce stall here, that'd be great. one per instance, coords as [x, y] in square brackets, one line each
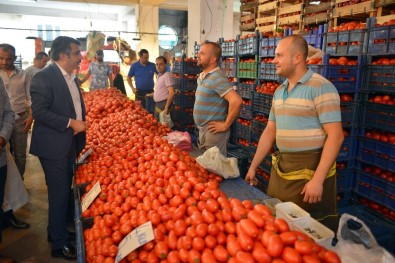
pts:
[134, 178]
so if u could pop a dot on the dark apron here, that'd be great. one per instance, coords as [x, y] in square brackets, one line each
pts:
[288, 189]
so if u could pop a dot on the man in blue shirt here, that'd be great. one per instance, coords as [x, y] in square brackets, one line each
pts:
[143, 72]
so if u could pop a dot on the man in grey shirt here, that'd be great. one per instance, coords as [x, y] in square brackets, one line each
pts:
[40, 61]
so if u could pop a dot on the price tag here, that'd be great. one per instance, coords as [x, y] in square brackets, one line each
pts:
[84, 156]
[92, 194]
[135, 239]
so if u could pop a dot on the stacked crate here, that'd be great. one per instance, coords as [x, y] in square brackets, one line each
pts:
[314, 36]
[185, 74]
[351, 9]
[248, 11]
[314, 14]
[374, 184]
[247, 56]
[228, 64]
[267, 16]
[289, 15]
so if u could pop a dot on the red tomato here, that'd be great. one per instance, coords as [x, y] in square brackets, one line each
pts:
[275, 246]
[290, 255]
[221, 254]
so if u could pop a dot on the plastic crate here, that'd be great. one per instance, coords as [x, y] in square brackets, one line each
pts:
[177, 67]
[319, 69]
[242, 160]
[150, 104]
[344, 179]
[348, 149]
[381, 40]
[271, 203]
[267, 46]
[255, 135]
[185, 84]
[376, 146]
[228, 48]
[378, 116]
[346, 79]
[258, 125]
[247, 70]
[370, 157]
[349, 113]
[229, 67]
[183, 100]
[191, 67]
[389, 202]
[243, 132]
[379, 78]
[267, 71]
[350, 42]
[246, 112]
[248, 46]
[262, 100]
[182, 115]
[314, 40]
[245, 90]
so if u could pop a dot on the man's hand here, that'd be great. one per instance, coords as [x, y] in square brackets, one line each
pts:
[312, 191]
[166, 111]
[28, 123]
[250, 178]
[134, 90]
[217, 126]
[78, 126]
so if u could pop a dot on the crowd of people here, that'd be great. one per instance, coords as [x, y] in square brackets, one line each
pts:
[304, 123]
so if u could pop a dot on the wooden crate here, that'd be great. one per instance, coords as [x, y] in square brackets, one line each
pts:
[311, 9]
[246, 18]
[266, 20]
[378, 3]
[264, 29]
[349, 10]
[248, 6]
[384, 19]
[290, 9]
[316, 18]
[248, 26]
[268, 6]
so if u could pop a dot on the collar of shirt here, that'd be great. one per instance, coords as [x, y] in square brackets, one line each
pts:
[160, 75]
[14, 72]
[203, 75]
[65, 74]
[302, 80]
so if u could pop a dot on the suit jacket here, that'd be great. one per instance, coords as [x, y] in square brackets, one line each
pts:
[52, 107]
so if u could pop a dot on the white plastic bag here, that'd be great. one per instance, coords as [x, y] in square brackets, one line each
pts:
[357, 244]
[180, 140]
[215, 162]
[165, 119]
[15, 194]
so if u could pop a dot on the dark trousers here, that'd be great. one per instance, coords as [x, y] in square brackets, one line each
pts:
[140, 96]
[58, 177]
[3, 178]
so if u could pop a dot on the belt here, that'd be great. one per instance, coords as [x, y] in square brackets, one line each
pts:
[21, 114]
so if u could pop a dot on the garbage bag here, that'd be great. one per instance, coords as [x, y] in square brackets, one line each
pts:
[215, 162]
[180, 140]
[165, 119]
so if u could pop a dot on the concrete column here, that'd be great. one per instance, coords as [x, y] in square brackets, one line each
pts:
[209, 20]
[148, 22]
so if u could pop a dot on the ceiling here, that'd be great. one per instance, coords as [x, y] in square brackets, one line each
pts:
[93, 9]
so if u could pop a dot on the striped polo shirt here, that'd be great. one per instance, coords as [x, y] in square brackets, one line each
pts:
[209, 102]
[300, 114]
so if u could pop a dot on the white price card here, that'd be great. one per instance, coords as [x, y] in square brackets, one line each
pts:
[91, 195]
[84, 156]
[135, 239]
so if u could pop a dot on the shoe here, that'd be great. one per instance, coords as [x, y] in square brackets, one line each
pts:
[70, 236]
[17, 224]
[67, 252]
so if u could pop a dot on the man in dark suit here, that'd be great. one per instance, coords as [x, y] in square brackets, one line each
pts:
[59, 134]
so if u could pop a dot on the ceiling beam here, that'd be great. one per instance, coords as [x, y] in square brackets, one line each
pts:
[102, 2]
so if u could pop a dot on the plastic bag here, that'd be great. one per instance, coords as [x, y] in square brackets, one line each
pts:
[165, 119]
[180, 140]
[15, 194]
[215, 162]
[357, 244]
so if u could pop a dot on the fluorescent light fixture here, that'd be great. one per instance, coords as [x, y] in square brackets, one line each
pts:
[315, 2]
[25, 1]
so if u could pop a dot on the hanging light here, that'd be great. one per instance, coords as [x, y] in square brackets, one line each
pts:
[30, 37]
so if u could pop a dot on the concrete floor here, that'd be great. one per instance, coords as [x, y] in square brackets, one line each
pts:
[30, 245]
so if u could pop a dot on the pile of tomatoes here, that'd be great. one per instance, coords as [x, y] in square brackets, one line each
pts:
[144, 178]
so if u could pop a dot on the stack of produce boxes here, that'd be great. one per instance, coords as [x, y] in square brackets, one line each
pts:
[247, 57]
[185, 74]
[375, 185]
[228, 64]
[289, 15]
[266, 20]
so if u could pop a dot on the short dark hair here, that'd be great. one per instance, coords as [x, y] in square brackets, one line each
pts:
[7, 48]
[62, 44]
[40, 55]
[142, 52]
[216, 49]
[299, 43]
[162, 58]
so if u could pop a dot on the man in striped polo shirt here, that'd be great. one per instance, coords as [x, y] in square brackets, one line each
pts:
[305, 124]
[217, 104]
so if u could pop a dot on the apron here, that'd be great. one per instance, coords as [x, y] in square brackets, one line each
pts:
[289, 174]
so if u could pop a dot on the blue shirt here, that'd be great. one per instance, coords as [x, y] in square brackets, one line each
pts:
[143, 75]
